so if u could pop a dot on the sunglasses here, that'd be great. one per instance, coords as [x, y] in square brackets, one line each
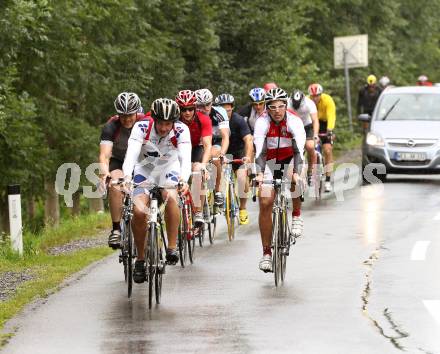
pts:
[273, 107]
[258, 103]
[186, 109]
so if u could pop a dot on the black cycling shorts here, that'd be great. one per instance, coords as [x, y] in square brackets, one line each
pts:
[323, 130]
[309, 131]
[197, 153]
[115, 164]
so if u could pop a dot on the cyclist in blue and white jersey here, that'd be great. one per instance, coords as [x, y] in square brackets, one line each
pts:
[220, 134]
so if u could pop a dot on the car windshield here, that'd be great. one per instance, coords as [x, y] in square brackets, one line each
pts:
[409, 106]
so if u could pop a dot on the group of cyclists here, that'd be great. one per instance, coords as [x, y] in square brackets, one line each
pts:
[178, 139]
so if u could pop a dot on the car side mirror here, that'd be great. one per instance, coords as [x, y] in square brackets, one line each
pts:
[364, 117]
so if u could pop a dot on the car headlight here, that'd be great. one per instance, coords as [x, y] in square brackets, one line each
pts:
[375, 140]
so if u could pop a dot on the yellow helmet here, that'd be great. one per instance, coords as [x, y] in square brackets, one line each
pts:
[371, 79]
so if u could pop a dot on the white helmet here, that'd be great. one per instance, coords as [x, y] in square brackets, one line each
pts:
[384, 81]
[127, 103]
[165, 109]
[204, 96]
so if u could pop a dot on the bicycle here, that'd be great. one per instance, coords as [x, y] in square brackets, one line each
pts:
[282, 238]
[205, 228]
[127, 251]
[231, 205]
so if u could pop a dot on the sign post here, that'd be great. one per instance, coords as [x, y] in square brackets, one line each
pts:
[350, 52]
[15, 226]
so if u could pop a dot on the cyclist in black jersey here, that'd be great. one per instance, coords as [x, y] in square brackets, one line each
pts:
[112, 149]
[240, 147]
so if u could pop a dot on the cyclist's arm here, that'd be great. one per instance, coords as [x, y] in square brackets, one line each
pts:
[248, 146]
[313, 111]
[225, 140]
[184, 147]
[261, 128]
[135, 142]
[331, 114]
[207, 144]
[105, 152]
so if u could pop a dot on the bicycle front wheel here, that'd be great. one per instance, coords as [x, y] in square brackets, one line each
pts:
[129, 259]
[275, 246]
[213, 218]
[229, 212]
[152, 261]
[283, 243]
[190, 233]
[160, 265]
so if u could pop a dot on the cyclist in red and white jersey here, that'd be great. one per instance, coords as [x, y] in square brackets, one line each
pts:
[200, 129]
[112, 149]
[159, 152]
[278, 131]
[220, 134]
[307, 111]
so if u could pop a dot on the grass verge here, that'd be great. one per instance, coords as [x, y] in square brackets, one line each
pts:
[49, 271]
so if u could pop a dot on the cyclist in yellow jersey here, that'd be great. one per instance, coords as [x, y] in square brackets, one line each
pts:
[327, 120]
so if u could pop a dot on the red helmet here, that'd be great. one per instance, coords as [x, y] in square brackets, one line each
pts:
[269, 85]
[186, 98]
[315, 89]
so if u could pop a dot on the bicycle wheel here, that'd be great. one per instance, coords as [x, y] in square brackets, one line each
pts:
[275, 246]
[229, 212]
[213, 217]
[128, 238]
[283, 243]
[182, 241]
[160, 264]
[152, 261]
[207, 218]
[190, 233]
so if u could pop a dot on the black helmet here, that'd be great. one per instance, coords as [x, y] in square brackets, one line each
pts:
[297, 98]
[165, 109]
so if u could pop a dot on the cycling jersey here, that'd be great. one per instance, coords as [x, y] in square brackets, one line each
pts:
[219, 120]
[250, 115]
[279, 137]
[166, 159]
[305, 110]
[115, 134]
[239, 129]
[327, 111]
[367, 99]
[199, 127]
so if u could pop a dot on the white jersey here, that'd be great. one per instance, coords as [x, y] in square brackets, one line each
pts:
[305, 110]
[154, 153]
[278, 137]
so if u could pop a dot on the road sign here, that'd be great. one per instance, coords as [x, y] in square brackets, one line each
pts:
[355, 50]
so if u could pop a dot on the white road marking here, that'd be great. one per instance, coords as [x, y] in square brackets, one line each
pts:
[419, 250]
[437, 217]
[433, 307]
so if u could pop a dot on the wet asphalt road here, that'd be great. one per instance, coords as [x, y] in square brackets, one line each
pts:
[364, 278]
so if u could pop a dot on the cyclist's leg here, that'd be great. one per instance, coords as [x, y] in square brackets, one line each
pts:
[140, 220]
[296, 173]
[310, 148]
[115, 200]
[242, 188]
[196, 185]
[215, 152]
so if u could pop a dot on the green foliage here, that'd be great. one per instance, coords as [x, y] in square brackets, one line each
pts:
[63, 62]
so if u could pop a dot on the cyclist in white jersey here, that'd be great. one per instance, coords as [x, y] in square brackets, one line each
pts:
[253, 109]
[220, 134]
[307, 111]
[158, 152]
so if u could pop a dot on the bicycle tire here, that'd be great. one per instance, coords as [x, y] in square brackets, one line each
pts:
[275, 248]
[229, 213]
[213, 216]
[190, 233]
[152, 249]
[160, 266]
[181, 242]
[206, 227]
[284, 243]
[130, 259]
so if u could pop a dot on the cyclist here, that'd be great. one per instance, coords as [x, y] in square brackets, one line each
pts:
[269, 85]
[253, 109]
[327, 119]
[159, 152]
[384, 82]
[220, 134]
[112, 148]
[279, 131]
[306, 109]
[240, 147]
[200, 129]
[368, 96]
[423, 80]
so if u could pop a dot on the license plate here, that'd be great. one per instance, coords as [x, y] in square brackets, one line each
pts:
[410, 156]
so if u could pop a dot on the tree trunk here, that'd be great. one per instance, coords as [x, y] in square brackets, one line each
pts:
[31, 207]
[76, 210]
[96, 205]
[51, 205]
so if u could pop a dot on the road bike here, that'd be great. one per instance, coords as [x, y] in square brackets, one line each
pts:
[186, 234]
